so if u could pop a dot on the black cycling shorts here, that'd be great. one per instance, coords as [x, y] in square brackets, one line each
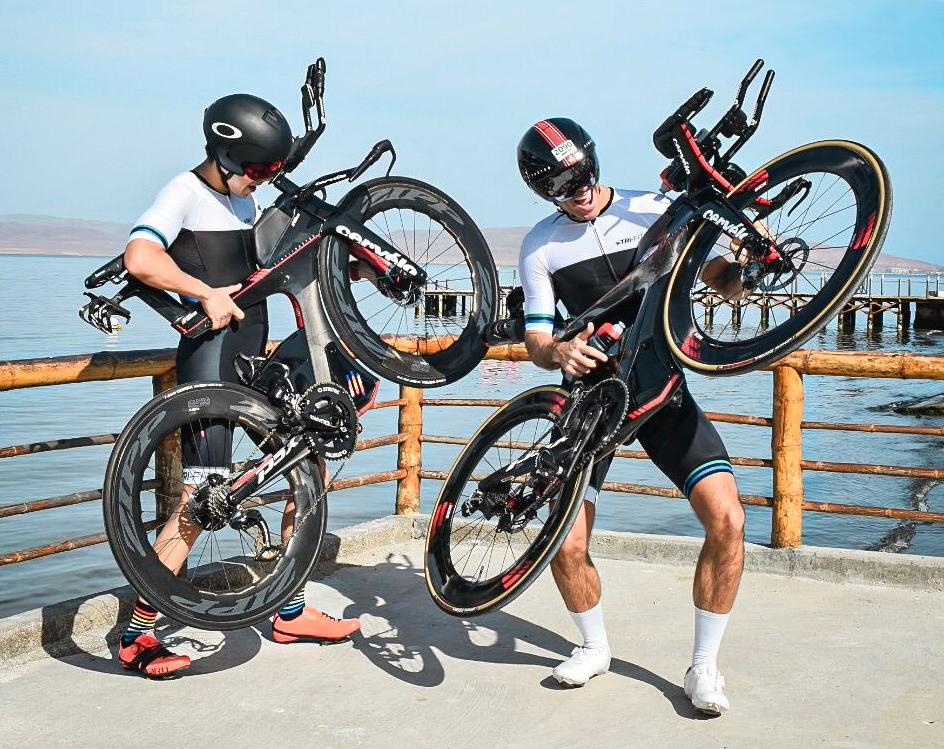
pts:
[209, 358]
[682, 443]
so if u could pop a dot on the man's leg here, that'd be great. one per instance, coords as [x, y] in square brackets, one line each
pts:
[689, 451]
[717, 576]
[579, 585]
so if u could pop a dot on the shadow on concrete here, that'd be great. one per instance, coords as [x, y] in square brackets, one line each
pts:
[394, 591]
[215, 651]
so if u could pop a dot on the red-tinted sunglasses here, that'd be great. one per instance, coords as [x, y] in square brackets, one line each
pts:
[263, 171]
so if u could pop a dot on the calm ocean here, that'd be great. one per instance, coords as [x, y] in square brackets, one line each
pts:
[41, 296]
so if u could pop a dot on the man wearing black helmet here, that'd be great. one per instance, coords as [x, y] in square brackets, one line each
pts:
[574, 256]
[196, 240]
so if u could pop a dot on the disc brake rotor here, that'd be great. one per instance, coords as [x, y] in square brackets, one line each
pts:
[796, 252]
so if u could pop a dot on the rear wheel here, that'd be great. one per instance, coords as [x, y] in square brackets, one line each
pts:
[831, 231]
[239, 564]
[485, 549]
[440, 330]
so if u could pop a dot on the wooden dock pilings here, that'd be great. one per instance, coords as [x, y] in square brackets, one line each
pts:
[787, 501]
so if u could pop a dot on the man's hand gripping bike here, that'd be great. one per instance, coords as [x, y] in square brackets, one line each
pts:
[796, 236]
[357, 275]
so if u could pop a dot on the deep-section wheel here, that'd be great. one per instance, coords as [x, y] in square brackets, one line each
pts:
[165, 498]
[487, 543]
[440, 325]
[827, 206]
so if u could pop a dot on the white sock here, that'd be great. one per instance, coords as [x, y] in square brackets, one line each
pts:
[709, 629]
[590, 624]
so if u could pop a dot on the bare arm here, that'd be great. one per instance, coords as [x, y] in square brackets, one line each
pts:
[574, 357]
[149, 263]
[724, 277]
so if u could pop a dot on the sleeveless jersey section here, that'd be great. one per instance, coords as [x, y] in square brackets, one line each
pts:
[207, 233]
[576, 262]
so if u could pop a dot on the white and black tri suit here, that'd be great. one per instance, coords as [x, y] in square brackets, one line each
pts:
[209, 235]
[575, 263]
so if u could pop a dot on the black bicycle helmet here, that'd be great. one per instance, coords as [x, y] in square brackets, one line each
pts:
[243, 129]
[557, 157]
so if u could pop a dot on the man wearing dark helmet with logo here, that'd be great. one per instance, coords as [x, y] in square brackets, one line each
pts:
[574, 256]
[196, 240]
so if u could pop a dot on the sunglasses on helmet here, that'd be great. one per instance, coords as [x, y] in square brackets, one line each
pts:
[262, 171]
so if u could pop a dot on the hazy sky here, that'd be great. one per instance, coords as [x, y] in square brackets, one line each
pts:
[102, 102]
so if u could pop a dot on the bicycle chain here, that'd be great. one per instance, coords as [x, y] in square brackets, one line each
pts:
[617, 400]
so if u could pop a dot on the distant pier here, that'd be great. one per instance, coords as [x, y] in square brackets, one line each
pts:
[916, 301]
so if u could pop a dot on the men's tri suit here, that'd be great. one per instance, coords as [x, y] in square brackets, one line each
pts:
[576, 262]
[209, 235]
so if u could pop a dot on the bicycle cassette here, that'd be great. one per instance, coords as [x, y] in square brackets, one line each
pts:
[330, 419]
[612, 396]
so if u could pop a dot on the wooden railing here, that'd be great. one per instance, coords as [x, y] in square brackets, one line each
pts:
[786, 423]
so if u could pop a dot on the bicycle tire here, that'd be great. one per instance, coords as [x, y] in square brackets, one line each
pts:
[461, 341]
[251, 590]
[449, 589]
[864, 174]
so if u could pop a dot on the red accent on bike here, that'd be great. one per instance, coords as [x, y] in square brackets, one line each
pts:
[646, 407]
[693, 144]
[514, 575]
[865, 234]
[370, 403]
[257, 275]
[754, 182]
[607, 329]
[372, 259]
[250, 283]
[439, 516]
[297, 309]
[691, 347]
[554, 137]
[664, 176]
[771, 256]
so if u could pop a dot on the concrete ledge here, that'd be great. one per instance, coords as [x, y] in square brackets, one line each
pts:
[813, 562]
[87, 624]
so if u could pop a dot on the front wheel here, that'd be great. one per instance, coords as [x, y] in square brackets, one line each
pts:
[165, 503]
[484, 548]
[432, 338]
[827, 207]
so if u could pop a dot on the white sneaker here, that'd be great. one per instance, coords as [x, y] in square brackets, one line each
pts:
[583, 665]
[704, 686]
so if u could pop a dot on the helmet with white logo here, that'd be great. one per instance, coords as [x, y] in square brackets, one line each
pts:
[243, 130]
[557, 158]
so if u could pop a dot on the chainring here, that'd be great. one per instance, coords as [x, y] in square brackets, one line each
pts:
[613, 395]
[330, 419]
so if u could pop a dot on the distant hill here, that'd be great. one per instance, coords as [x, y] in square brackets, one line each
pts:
[48, 235]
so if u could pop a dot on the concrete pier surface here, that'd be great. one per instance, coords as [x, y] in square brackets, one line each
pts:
[808, 664]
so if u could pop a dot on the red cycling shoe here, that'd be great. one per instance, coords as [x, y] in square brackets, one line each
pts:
[313, 625]
[149, 655]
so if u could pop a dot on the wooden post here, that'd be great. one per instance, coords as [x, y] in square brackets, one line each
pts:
[786, 453]
[169, 461]
[410, 451]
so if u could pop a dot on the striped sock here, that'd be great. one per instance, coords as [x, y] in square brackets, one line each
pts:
[142, 622]
[293, 607]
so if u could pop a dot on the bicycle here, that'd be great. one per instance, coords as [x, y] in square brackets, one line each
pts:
[357, 274]
[515, 490]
